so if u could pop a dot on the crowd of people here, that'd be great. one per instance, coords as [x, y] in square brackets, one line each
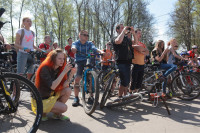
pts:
[55, 72]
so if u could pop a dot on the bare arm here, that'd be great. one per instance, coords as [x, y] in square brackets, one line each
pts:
[120, 38]
[159, 59]
[176, 55]
[60, 77]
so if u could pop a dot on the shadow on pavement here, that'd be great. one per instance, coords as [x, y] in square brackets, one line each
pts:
[181, 111]
[57, 126]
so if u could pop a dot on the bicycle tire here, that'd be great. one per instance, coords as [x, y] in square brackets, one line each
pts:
[89, 109]
[125, 102]
[178, 89]
[30, 88]
[13, 89]
[107, 91]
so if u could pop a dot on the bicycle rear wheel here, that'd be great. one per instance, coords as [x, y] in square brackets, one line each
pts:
[23, 120]
[186, 86]
[110, 86]
[90, 92]
[132, 98]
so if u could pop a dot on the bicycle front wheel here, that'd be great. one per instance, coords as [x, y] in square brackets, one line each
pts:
[186, 86]
[90, 92]
[23, 120]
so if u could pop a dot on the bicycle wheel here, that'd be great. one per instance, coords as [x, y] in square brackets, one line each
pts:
[13, 88]
[186, 86]
[133, 98]
[108, 90]
[23, 120]
[90, 92]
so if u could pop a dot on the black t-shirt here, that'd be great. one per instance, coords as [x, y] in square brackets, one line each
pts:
[47, 76]
[124, 51]
[157, 53]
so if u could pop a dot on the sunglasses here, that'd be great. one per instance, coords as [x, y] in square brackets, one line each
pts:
[176, 46]
[85, 35]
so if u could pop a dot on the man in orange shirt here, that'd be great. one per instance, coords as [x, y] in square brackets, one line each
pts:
[140, 51]
[108, 56]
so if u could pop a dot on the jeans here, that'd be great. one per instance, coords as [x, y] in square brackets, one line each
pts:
[124, 72]
[137, 76]
[169, 69]
[22, 62]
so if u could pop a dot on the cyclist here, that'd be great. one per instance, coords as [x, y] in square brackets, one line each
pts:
[84, 46]
[160, 55]
[25, 43]
[122, 45]
[46, 47]
[193, 55]
[173, 56]
[108, 56]
[55, 45]
[140, 51]
[51, 78]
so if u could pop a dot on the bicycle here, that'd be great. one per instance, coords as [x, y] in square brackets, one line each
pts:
[15, 104]
[111, 81]
[89, 84]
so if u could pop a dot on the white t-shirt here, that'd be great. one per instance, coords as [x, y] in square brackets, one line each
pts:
[27, 40]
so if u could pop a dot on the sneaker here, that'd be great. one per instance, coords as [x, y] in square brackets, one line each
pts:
[90, 101]
[119, 99]
[61, 117]
[76, 102]
[44, 118]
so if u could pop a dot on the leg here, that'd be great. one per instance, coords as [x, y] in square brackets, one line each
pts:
[59, 108]
[64, 95]
[140, 77]
[134, 78]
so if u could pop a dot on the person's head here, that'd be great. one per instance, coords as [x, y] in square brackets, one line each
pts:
[173, 43]
[138, 33]
[119, 28]
[56, 59]
[69, 40]
[83, 36]
[47, 39]
[93, 42]
[55, 45]
[160, 45]
[26, 22]
[194, 48]
[108, 45]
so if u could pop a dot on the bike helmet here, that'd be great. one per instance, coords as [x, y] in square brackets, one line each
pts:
[184, 53]
[194, 46]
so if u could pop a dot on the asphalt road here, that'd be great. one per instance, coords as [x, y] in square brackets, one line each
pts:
[137, 118]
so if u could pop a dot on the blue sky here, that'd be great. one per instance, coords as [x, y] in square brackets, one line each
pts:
[161, 9]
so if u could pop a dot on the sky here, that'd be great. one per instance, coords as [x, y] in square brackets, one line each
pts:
[160, 9]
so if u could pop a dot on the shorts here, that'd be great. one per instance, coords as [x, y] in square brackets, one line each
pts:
[80, 68]
[22, 62]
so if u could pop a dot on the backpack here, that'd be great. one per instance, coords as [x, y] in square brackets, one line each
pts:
[21, 38]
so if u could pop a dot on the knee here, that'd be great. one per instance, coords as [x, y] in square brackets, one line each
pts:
[64, 108]
[67, 91]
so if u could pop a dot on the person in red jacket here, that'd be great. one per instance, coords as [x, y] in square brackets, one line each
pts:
[68, 48]
[46, 46]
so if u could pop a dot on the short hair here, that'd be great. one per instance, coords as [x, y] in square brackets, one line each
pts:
[82, 31]
[118, 27]
[47, 36]
[137, 30]
[69, 39]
